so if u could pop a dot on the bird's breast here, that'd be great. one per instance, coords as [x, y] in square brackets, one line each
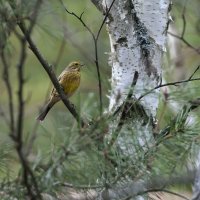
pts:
[70, 82]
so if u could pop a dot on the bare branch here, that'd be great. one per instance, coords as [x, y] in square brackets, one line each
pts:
[123, 107]
[139, 187]
[95, 39]
[34, 16]
[47, 67]
[186, 42]
[33, 133]
[197, 50]
[52, 76]
[105, 18]
[135, 188]
[20, 71]
[79, 18]
[194, 72]
[6, 78]
[33, 193]
[183, 18]
[190, 79]
[96, 54]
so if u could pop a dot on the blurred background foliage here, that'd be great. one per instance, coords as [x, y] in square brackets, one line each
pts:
[61, 38]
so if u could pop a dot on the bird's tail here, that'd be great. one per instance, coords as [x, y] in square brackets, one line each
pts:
[45, 110]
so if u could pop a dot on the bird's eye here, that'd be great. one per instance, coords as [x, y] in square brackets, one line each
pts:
[76, 64]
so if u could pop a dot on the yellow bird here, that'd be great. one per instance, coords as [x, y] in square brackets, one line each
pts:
[69, 80]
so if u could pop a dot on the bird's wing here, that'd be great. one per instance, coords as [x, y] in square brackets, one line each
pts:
[60, 78]
[53, 91]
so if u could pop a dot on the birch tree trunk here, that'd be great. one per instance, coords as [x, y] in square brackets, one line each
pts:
[137, 32]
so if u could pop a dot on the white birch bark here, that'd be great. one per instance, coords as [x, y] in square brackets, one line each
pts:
[137, 32]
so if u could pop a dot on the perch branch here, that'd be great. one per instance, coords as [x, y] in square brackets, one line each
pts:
[52, 76]
[95, 39]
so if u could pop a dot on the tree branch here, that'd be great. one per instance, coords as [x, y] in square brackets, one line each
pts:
[31, 186]
[52, 76]
[33, 133]
[183, 18]
[20, 71]
[186, 42]
[123, 107]
[172, 83]
[183, 30]
[168, 191]
[135, 188]
[29, 180]
[6, 79]
[95, 39]
[34, 16]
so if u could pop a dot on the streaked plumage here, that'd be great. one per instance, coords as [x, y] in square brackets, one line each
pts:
[69, 80]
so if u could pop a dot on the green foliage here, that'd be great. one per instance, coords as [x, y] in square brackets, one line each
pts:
[174, 143]
[5, 157]
[60, 152]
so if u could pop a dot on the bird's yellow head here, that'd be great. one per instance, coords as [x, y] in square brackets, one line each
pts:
[74, 66]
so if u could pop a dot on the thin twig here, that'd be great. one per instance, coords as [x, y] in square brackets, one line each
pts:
[172, 83]
[29, 180]
[95, 39]
[49, 70]
[95, 47]
[79, 18]
[96, 54]
[194, 72]
[33, 133]
[52, 76]
[34, 16]
[20, 71]
[27, 171]
[7, 81]
[135, 188]
[123, 107]
[183, 18]
[186, 42]
[33, 194]
[105, 18]
[183, 30]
